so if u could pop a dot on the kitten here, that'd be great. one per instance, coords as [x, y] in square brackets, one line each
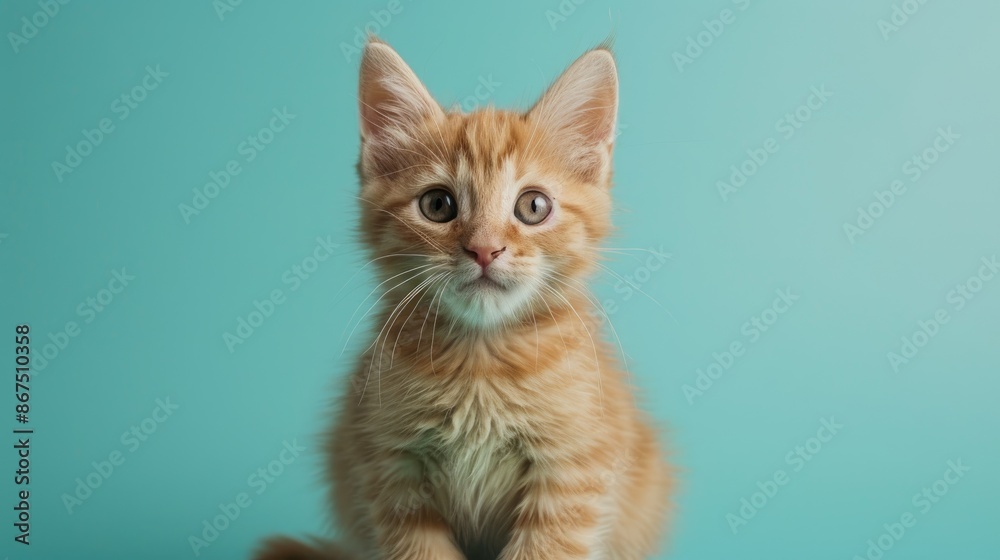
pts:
[488, 419]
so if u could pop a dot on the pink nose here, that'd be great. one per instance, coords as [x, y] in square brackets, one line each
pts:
[484, 255]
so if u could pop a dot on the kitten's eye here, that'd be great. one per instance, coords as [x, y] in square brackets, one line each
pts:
[438, 206]
[532, 207]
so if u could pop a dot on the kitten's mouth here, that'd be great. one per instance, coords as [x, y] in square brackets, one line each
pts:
[485, 283]
[487, 299]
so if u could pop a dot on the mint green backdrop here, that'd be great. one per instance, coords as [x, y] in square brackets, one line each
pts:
[823, 342]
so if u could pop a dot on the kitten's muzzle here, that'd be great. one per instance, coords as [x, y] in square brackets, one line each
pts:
[484, 255]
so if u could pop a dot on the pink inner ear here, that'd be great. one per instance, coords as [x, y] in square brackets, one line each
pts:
[375, 113]
[583, 101]
[597, 117]
[390, 94]
[380, 108]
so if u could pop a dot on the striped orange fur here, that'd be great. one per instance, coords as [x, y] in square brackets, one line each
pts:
[488, 418]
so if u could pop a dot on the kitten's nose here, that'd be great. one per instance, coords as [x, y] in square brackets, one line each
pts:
[483, 255]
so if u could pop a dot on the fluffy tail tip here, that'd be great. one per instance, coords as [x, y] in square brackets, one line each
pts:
[285, 548]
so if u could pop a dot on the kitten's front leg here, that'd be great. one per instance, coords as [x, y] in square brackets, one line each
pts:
[406, 525]
[559, 516]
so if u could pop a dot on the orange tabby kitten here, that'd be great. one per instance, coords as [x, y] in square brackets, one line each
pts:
[488, 419]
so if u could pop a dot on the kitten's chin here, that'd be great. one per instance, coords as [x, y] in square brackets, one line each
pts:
[485, 303]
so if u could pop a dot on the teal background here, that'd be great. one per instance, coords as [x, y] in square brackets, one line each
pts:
[681, 130]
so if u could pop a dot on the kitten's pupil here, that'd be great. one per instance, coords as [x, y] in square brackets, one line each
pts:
[437, 205]
[532, 207]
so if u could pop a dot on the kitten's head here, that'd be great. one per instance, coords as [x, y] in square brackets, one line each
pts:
[495, 214]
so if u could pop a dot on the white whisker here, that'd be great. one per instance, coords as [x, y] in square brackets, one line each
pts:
[390, 322]
[425, 284]
[593, 301]
[434, 326]
[597, 360]
[637, 288]
[421, 268]
[375, 343]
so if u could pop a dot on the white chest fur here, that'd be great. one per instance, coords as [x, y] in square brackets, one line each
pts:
[473, 463]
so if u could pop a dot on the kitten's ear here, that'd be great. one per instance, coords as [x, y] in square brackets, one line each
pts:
[391, 98]
[581, 108]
